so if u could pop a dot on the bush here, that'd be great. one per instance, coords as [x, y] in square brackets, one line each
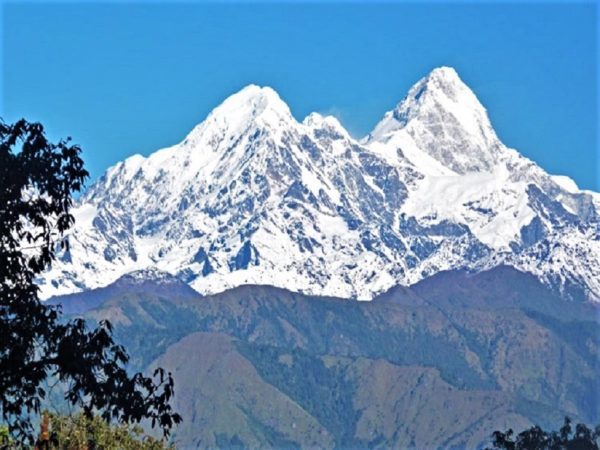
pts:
[534, 438]
[78, 432]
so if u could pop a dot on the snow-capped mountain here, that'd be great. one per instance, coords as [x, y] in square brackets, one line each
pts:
[252, 196]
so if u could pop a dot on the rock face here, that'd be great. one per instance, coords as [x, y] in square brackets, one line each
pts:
[252, 196]
[441, 364]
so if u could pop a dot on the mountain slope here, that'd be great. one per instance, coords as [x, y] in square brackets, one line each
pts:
[439, 365]
[252, 196]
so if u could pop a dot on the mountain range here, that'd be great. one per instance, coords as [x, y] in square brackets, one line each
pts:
[252, 196]
[231, 259]
[438, 365]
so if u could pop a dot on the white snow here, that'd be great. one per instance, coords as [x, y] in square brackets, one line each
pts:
[435, 160]
[84, 215]
[566, 183]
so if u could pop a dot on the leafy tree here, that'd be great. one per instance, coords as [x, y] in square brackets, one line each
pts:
[79, 431]
[534, 438]
[37, 180]
[5, 440]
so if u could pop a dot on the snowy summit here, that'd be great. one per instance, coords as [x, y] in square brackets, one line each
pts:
[253, 196]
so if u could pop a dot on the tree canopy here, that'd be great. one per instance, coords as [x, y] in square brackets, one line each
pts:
[37, 181]
[534, 438]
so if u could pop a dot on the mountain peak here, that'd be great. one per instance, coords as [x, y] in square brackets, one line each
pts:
[251, 105]
[444, 117]
[318, 121]
[443, 83]
[442, 89]
[255, 100]
[254, 197]
[444, 74]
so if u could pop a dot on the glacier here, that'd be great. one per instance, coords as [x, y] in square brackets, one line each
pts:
[253, 196]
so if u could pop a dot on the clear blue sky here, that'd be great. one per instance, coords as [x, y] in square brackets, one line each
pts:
[124, 79]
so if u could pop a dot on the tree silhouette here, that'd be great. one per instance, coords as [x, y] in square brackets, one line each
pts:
[534, 438]
[37, 180]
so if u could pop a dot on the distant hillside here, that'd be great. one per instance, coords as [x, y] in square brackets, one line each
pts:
[439, 365]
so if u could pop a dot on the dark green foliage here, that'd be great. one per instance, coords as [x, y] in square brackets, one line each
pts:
[232, 443]
[323, 392]
[273, 438]
[577, 334]
[81, 432]
[534, 438]
[325, 354]
[580, 336]
[37, 179]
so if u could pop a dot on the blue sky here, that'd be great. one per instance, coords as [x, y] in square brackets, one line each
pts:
[132, 78]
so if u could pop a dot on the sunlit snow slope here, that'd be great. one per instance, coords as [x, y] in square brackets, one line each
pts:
[251, 196]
